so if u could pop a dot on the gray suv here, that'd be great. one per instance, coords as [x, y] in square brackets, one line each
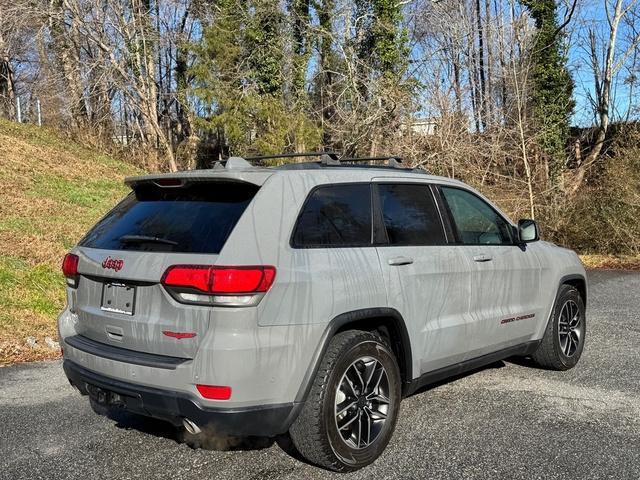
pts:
[307, 299]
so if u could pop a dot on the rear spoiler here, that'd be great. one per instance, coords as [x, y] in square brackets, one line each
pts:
[255, 176]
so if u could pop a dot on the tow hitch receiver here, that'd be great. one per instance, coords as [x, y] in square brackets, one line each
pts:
[105, 397]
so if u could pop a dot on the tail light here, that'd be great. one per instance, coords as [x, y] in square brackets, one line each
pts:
[214, 392]
[242, 286]
[70, 269]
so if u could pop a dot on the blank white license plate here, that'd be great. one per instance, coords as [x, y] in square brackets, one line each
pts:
[118, 298]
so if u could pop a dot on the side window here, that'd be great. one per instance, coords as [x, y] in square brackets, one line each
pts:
[477, 223]
[410, 215]
[334, 216]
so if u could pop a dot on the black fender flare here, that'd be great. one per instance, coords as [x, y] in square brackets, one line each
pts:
[564, 280]
[568, 279]
[354, 317]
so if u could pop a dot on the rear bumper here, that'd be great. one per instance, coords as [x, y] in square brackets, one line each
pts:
[261, 420]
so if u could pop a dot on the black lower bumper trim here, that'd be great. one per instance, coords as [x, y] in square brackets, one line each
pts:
[263, 420]
[123, 354]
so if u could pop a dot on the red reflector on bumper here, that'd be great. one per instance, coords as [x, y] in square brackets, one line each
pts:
[214, 392]
[179, 335]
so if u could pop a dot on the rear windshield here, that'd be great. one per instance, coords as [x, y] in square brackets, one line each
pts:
[196, 218]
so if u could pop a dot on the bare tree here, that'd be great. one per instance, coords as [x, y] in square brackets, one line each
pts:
[604, 74]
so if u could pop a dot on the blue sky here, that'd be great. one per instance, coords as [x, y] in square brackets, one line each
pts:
[591, 16]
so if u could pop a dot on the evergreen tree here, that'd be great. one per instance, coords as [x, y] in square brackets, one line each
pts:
[551, 100]
[239, 74]
[382, 40]
[300, 18]
[264, 46]
[324, 95]
[381, 93]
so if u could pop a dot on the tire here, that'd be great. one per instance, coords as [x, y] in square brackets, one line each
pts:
[560, 350]
[325, 433]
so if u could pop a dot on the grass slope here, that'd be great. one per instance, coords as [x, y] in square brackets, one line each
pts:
[51, 191]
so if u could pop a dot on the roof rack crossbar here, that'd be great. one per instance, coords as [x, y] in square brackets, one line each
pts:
[332, 155]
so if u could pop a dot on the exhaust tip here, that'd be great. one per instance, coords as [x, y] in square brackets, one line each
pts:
[190, 426]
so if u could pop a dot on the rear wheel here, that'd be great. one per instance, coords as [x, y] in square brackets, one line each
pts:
[351, 411]
[564, 337]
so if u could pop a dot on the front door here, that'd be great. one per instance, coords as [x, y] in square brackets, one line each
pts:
[505, 277]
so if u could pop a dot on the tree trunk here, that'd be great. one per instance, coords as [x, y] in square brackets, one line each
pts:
[488, 99]
[66, 47]
[182, 83]
[327, 110]
[300, 19]
[503, 64]
[603, 95]
[482, 97]
[7, 87]
[146, 65]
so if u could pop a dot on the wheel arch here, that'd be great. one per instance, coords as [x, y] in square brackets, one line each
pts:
[387, 321]
[576, 280]
[579, 282]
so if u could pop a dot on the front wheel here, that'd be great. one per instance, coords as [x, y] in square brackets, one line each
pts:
[564, 337]
[351, 411]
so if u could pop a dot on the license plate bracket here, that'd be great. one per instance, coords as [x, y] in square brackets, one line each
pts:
[118, 298]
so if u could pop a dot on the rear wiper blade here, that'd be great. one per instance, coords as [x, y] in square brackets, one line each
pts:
[146, 239]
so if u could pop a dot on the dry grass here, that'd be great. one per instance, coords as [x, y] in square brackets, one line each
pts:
[51, 191]
[611, 262]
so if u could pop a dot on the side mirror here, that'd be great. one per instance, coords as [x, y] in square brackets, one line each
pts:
[528, 231]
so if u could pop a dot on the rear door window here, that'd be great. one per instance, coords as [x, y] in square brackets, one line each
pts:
[410, 215]
[335, 216]
[196, 218]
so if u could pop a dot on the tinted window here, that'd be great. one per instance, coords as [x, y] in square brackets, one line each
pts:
[476, 222]
[192, 219]
[339, 215]
[410, 215]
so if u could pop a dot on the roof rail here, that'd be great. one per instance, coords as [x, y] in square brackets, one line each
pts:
[392, 161]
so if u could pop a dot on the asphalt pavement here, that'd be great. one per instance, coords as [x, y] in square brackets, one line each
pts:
[508, 421]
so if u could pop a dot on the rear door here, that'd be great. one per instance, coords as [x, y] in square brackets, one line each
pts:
[505, 277]
[334, 263]
[119, 299]
[427, 279]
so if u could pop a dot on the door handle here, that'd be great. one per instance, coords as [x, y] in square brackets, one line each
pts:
[395, 261]
[482, 258]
